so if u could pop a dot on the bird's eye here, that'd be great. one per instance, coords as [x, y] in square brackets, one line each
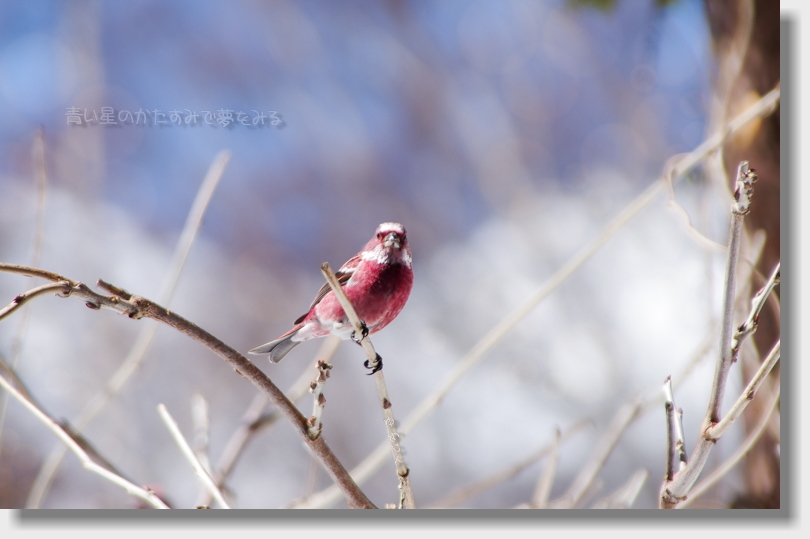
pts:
[379, 235]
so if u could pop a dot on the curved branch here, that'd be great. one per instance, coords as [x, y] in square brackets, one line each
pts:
[62, 287]
[139, 307]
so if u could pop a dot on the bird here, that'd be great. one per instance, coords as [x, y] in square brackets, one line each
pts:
[377, 281]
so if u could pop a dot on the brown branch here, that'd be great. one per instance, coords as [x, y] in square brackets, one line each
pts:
[254, 420]
[139, 307]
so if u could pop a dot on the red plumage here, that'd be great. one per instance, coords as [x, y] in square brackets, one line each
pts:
[377, 281]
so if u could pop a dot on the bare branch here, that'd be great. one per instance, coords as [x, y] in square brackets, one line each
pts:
[77, 290]
[747, 396]
[745, 179]
[249, 371]
[319, 401]
[675, 438]
[62, 287]
[198, 467]
[674, 491]
[140, 307]
[699, 489]
[406, 493]
[33, 272]
[750, 325]
[88, 463]
[254, 420]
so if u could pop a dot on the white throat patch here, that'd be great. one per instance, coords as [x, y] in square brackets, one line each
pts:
[380, 255]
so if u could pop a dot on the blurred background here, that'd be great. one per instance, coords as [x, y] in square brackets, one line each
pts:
[504, 135]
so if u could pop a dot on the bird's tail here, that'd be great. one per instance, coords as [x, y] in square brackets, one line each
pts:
[278, 348]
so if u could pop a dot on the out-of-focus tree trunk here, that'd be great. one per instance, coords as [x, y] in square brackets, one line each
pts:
[754, 23]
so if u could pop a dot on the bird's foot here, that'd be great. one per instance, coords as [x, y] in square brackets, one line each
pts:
[363, 331]
[377, 365]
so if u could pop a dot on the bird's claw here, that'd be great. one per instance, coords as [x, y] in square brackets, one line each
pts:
[363, 331]
[377, 365]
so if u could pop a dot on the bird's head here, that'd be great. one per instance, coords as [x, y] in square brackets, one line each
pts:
[391, 236]
[389, 245]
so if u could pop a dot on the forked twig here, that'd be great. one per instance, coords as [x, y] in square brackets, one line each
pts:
[737, 456]
[676, 488]
[747, 395]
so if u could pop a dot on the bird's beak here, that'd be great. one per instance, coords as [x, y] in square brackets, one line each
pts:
[391, 240]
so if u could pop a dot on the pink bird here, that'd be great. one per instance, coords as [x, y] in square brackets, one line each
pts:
[377, 281]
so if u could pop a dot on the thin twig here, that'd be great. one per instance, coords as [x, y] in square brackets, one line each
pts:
[675, 438]
[363, 471]
[319, 401]
[146, 336]
[740, 207]
[768, 410]
[747, 396]
[62, 287]
[406, 493]
[750, 325]
[88, 463]
[198, 467]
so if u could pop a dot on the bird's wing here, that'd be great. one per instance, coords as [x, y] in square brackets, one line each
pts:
[343, 274]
